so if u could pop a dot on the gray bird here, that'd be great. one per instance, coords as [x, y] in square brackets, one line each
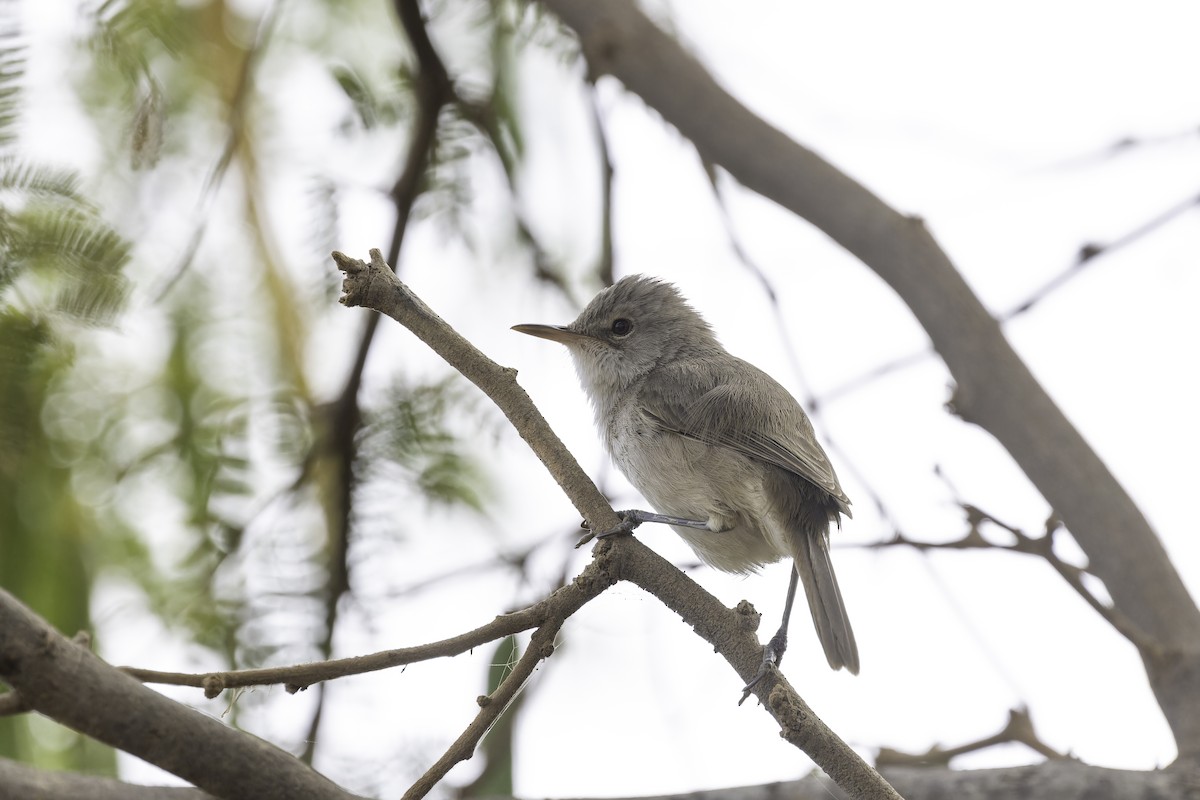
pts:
[716, 445]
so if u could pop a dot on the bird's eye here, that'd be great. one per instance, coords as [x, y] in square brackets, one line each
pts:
[622, 327]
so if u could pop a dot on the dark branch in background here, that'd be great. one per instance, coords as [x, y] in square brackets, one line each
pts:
[1040, 546]
[814, 406]
[1053, 780]
[1019, 729]
[731, 632]
[67, 683]
[23, 781]
[994, 388]
[1123, 146]
[433, 90]
[604, 266]
[1091, 251]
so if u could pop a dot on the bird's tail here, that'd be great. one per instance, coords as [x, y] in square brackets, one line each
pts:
[825, 602]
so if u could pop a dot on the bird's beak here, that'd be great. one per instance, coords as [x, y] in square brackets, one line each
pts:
[555, 333]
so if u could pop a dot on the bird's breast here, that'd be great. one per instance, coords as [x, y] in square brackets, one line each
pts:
[688, 478]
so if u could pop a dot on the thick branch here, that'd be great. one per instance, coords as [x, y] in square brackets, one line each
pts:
[23, 781]
[69, 684]
[994, 387]
[1054, 780]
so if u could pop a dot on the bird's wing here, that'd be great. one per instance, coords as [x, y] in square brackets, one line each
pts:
[735, 413]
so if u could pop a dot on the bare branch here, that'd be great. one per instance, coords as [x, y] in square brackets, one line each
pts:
[1019, 729]
[566, 601]
[1089, 253]
[23, 781]
[1064, 779]
[731, 633]
[69, 684]
[1039, 546]
[301, 676]
[376, 287]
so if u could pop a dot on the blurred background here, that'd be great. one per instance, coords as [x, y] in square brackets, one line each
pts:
[210, 464]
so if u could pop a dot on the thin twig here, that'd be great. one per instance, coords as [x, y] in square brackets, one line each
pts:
[301, 676]
[604, 265]
[1019, 728]
[1040, 546]
[590, 583]
[1089, 253]
[433, 89]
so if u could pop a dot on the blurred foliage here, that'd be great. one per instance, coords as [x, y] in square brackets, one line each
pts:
[61, 271]
[404, 440]
[163, 451]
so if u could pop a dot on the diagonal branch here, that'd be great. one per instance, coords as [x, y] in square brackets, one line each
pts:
[591, 582]
[731, 633]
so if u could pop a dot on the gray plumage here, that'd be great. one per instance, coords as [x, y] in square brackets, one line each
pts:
[706, 436]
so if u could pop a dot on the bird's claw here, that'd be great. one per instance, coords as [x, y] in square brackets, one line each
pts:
[772, 656]
[629, 521]
[631, 518]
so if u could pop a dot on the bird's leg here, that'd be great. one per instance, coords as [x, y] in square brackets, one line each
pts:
[631, 518]
[773, 652]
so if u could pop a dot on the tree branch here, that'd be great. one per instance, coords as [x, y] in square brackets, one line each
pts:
[432, 90]
[368, 286]
[731, 633]
[994, 387]
[565, 601]
[69, 684]
[301, 676]
[1019, 729]
[1039, 546]
[23, 781]
[1053, 780]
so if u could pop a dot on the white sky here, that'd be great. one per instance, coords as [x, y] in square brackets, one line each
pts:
[991, 123]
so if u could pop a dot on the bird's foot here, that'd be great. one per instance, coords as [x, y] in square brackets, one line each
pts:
[631, 518]
[771, 658]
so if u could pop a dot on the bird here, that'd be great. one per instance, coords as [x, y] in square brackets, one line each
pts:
[723, 452]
